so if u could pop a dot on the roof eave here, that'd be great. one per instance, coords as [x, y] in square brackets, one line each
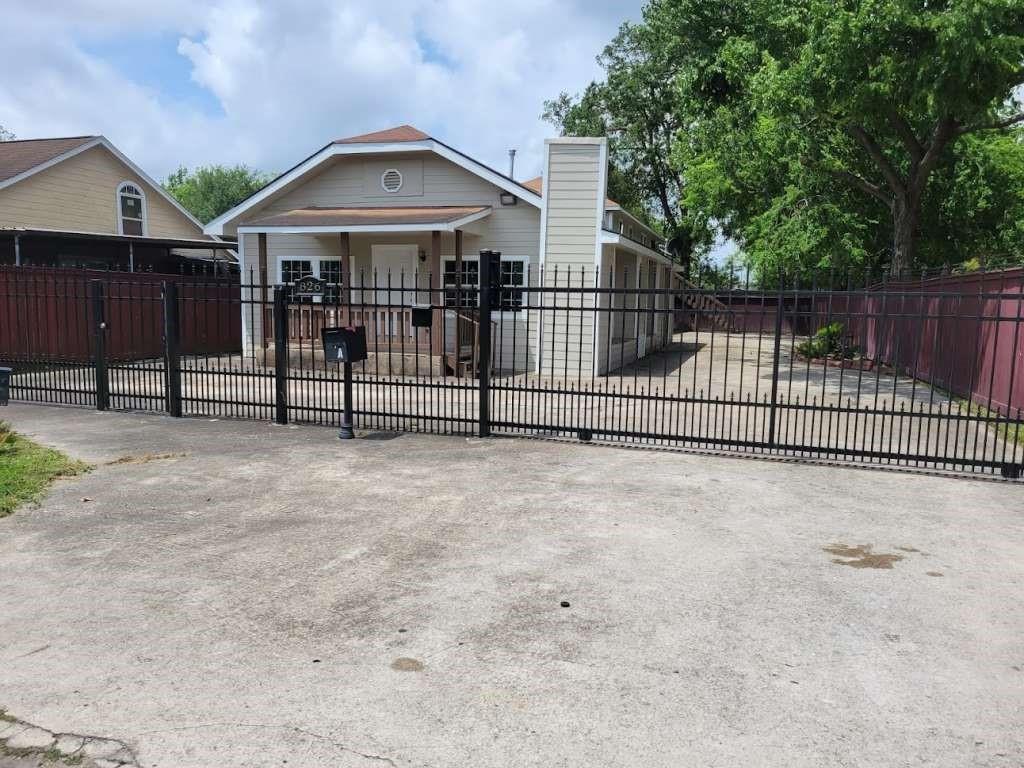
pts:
[216, 226]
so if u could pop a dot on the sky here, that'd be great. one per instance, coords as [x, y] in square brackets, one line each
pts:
[268, 82]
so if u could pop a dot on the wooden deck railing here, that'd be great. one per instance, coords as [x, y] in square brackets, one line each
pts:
[391, 329]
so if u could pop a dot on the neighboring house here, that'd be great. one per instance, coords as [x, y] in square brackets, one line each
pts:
[79, 202]
[401, 205]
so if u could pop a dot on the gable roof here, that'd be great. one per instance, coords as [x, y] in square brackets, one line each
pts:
[403, 138]
[19, 156]
[400, 133]
[35, 155]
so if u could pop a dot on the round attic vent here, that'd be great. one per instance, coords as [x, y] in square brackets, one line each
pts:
[391, 180]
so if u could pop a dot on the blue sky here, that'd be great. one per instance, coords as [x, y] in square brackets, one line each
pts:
[266, 82]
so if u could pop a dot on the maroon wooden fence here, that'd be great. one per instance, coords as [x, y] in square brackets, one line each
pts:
[47, 314]
[962, 333]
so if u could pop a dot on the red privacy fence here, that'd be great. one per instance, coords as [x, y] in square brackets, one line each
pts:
[51, 314]
[961, 333]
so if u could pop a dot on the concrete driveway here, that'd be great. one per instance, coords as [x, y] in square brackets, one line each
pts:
[223, 593]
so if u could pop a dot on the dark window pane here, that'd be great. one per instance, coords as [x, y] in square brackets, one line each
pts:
[131, 207]
[131, 226]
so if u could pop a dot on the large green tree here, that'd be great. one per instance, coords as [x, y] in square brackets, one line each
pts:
[209, 191]
[838, 119]
[823, 133]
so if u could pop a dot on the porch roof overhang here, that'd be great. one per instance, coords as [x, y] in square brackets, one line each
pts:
[176, 243]
[314, 220]
[616, 239]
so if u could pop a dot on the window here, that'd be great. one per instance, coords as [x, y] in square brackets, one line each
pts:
[131, 209]
[470, 279]
[513, 278]
[330, 272]
[512, 274]
[292, 270]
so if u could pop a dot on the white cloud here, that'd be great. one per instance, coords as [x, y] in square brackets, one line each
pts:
[291, 76]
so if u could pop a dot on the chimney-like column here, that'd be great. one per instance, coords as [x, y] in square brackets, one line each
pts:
[572, 211]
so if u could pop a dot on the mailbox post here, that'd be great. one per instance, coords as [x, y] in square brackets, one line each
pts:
[345, 346]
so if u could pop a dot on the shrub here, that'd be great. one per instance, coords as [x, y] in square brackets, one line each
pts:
[827, 342]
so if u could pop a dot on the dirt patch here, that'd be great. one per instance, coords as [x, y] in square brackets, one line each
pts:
[934, 573]
[861, 556]
[405, 664]
[145, 458]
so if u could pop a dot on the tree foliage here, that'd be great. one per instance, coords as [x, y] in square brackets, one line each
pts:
[209, 191]
[636, 108]
[827, 133]
[6, 135]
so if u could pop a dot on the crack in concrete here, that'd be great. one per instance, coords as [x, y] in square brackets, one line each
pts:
[312, 734]
[121, 747]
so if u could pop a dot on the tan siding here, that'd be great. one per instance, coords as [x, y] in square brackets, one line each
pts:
[514, 230]
[574, 180]
[79, 194]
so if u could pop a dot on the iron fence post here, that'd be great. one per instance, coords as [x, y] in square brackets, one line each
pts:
[99, 319]
[487, 279]
[172, 353]
[280, 356]
[776, 354]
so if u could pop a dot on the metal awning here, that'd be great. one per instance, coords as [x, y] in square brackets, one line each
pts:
[158, 242]
[362, 219]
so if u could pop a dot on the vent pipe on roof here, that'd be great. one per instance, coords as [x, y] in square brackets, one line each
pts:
[512, 164]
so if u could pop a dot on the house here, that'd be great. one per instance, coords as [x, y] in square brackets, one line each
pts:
[396, 212]
[79, 202]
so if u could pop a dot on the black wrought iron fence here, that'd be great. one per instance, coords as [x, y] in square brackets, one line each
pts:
[923, 373]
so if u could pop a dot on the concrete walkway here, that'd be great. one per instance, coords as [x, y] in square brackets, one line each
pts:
[237, 594]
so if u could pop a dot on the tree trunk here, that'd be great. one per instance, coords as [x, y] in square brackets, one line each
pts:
[905, 218]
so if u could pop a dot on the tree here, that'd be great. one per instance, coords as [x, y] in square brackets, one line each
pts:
[884, 88]
[637, 109]
[872, 95]
[6, 135]
[209, 191]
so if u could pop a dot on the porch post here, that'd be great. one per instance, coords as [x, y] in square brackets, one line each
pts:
[436, 281]
[345, 244]
[261, 250]
[458, 268]
[17, 250]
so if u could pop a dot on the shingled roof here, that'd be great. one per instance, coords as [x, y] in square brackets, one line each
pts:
[536, 185]
[389, 136]
[16, 157]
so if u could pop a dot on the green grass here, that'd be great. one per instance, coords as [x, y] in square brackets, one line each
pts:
[1012, 433]
[27, 469]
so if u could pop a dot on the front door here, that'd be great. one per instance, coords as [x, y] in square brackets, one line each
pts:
[398, 261]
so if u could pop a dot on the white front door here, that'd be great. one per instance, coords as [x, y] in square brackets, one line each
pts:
[400, 262]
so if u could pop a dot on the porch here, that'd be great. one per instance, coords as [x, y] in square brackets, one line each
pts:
[377, 265]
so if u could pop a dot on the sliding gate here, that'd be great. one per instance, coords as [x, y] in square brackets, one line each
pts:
[925, 373]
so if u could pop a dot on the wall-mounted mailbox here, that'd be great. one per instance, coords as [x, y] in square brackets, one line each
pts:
[344, 345]
[422, 317]
[5, 385]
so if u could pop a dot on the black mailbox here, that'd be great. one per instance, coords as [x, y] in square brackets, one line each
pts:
[344, 345]
[422, 317]
[5, 385]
